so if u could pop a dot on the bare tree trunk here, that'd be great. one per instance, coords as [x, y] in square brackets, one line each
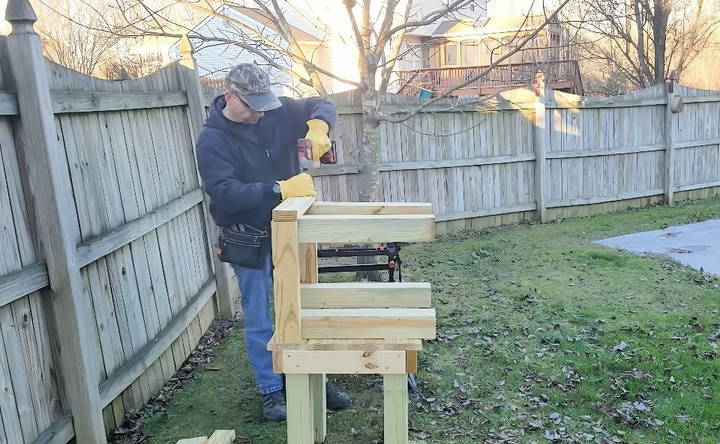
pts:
[369, 160]
[661, 14]
[642, 55]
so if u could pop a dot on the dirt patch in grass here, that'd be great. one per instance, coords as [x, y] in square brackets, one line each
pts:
[542, 336]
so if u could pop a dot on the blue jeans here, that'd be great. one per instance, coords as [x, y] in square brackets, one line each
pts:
[255, 285]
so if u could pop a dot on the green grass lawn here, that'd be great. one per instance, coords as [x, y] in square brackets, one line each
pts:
[541, 336]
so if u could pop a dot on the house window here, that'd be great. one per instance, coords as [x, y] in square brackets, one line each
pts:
[451, 54]
[470, 53]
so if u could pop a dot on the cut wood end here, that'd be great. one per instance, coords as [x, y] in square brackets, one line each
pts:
[222, 437]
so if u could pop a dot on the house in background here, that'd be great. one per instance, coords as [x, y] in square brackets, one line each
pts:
[451, 52]
[215, 58]
[433, 57]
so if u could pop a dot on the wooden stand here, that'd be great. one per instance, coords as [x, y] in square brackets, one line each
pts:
[345, 328]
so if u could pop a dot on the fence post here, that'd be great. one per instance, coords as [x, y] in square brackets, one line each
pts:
[669, 148]
[541, 141]
[56, 223]
[226, 295]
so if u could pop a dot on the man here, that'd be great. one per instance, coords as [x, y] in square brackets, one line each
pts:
[247, 158]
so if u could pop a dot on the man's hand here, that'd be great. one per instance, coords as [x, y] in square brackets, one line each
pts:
[300, 185]
[318, 135]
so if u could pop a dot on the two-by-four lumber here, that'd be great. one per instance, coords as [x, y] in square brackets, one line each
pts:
[411, 361]
[318, 402]
[308, 263]
[344, 362]
[291, 209]
[416, 323]
[366, 295]
[364, 344]
[395, 409]
[300, 428]
[367, 228]
[368, 208]
[286, 277]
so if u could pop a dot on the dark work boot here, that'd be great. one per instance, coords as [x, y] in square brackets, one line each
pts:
[334, 398]
[274, 406]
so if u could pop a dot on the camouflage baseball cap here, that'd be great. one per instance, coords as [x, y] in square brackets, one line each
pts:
[252, 84]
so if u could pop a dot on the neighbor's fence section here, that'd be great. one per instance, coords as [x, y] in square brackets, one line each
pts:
[476, 159]
[106, 274]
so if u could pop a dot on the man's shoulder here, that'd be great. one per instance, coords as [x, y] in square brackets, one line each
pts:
[210, 134]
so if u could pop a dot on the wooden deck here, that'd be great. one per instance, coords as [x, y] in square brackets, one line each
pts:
[561, 76]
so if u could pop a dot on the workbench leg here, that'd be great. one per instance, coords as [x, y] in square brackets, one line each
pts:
[299, 409]
[395, 408]
[319, 406]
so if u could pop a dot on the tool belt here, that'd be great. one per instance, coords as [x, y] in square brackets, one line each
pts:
[242, 245]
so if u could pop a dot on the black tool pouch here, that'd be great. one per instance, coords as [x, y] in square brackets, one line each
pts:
[242, 245]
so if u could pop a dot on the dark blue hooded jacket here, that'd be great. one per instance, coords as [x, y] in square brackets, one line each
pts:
[239, 163]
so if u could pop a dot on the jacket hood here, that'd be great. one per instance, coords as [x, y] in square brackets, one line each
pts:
[216, 119]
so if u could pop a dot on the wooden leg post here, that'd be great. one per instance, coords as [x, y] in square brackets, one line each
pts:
[299, 410]
[396, 408]
[286, 276]
[319, 406]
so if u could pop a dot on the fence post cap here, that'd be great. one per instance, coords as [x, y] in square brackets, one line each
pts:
[19, 11]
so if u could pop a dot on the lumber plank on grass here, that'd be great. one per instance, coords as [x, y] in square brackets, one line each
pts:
[416, 323]
[222, 437]
[198, 440]
[365, 295]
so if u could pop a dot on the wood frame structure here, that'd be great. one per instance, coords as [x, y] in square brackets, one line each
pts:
[345, 328]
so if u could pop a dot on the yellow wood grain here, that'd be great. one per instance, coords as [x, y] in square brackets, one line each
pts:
[285, 256]
[416, 323]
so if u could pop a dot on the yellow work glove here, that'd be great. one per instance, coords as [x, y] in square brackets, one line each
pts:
[300, 185]
[318, 135]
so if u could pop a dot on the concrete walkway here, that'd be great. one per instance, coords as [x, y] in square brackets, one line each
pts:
[696, 245]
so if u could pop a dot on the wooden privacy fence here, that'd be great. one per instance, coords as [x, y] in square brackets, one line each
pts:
[516, 156]
[106, 275]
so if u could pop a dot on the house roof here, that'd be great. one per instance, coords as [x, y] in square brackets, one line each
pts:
[299, 27]
[512, 22]
[475, 10]
[488, 25]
